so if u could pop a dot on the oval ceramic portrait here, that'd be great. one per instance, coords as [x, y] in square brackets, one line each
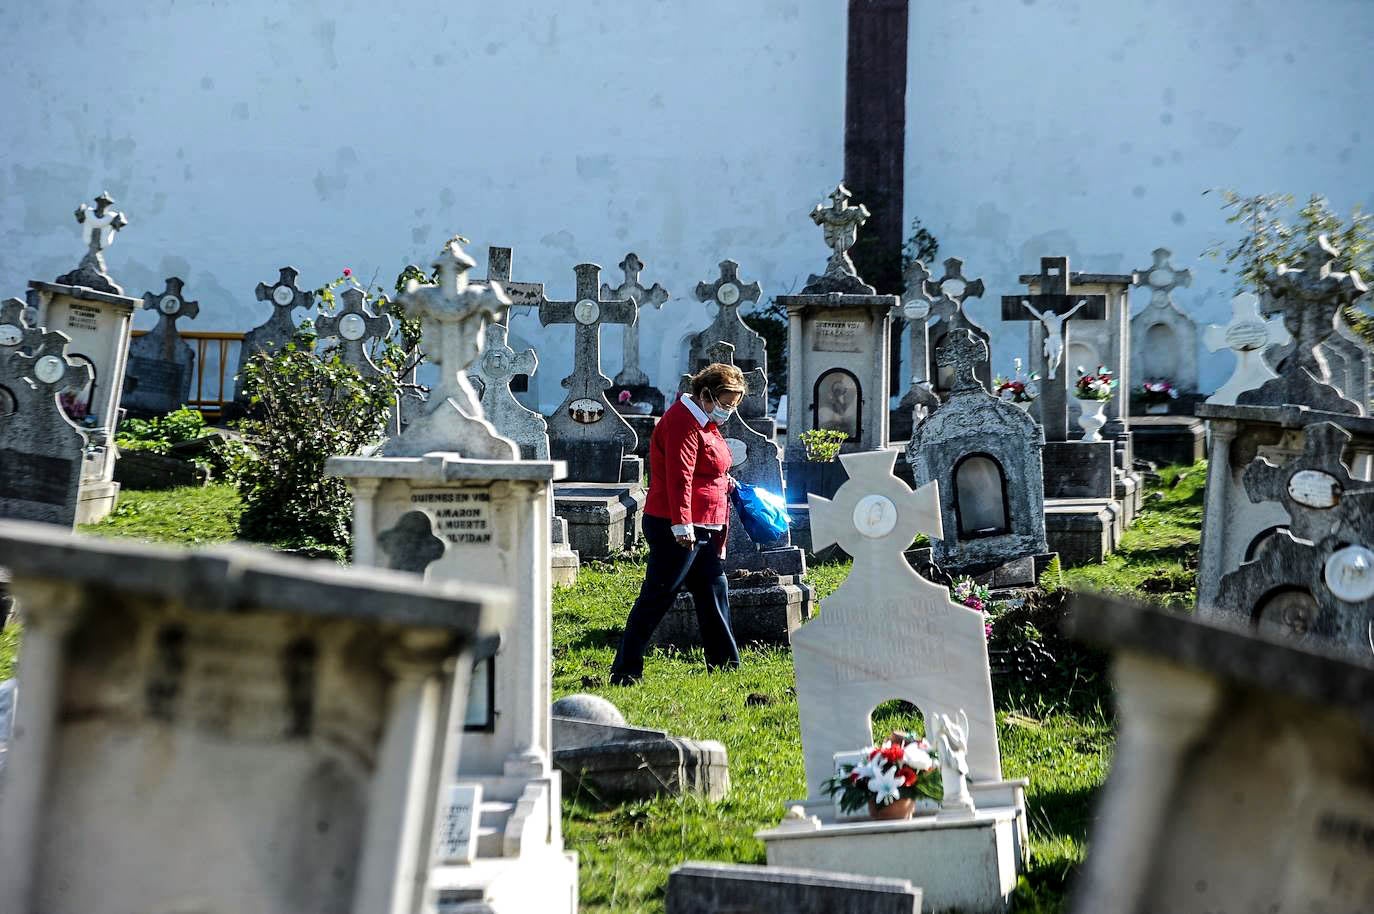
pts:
[875, 516]
[586, 410]
[738, 451]
[916, 309]
[727, 294]
[1314, 489]
[586, 311]
[283, 295]
[352, 327]
[49, 369]
[168, 304]
[10, 335]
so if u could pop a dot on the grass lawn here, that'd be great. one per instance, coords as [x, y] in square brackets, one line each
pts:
[1061, 741]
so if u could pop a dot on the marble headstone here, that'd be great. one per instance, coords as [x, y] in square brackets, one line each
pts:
[1163, 336]
[161, 364]
[1249, 334]
[494, 372]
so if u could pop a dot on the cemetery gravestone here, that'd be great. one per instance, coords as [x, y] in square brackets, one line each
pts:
[91, 309]
[358, 333]
[947, 296]
[161, 364]
[1163, 336]
[1268, 420]
[631, 377]
[285, 297]
[523, 295]
[887, 633]
[1249, 335]
[839, 351]
[1241, 767]
[915, 308]
[985, 455]
[728, 292]
[733, 888]
[286, 724]
[1311, 582]
[41, 450]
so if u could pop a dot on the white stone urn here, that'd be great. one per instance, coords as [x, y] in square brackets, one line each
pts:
[1092, 418]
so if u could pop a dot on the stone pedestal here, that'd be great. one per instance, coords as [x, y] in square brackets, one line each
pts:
[1084, 531]
[99, 324]
[602, 518]
[1168, 439]
[444, 516]
[968, 864]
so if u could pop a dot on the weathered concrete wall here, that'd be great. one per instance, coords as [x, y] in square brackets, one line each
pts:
[240, 136]
[1092, 129]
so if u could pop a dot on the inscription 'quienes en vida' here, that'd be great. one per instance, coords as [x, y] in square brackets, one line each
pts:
[462, 516]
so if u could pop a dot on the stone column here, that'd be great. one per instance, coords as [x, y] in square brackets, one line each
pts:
[394, 860]
[50, 610]
[364, 520]
[1164, 709]
[530, 640]
[796, 396]
[1221, 433]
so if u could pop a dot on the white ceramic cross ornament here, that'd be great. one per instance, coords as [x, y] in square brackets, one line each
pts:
[1248, 335]
[886, 632]
[98, 228]
[452, 315]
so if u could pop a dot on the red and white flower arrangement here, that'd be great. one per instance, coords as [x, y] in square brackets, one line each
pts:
[1158, 390]
[1017, 388]
[1097, 385]
[975, 596]
[904, 767]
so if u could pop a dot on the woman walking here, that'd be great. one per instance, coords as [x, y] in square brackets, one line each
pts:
[685, 521]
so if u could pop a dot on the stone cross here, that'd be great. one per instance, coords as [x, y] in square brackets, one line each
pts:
[728, 292]
[14, 324]
[452, 315]
[357, 329]
[1311, 297]
[1310, 486]
[576, 428]
[947, 296]
[496, 368]
[1162, 278]
[50, 368]
[98, 229]
[1053, 307]
[521, 294]
[279, 328]
[840, 223]
[755, 401]
[915, 309]
[171, 304]
[630, 373]
[1248, 335]
[963, 353]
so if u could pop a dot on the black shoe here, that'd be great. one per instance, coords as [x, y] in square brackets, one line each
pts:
[623, 679]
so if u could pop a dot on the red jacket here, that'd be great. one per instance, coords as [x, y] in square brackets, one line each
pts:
[688, 467]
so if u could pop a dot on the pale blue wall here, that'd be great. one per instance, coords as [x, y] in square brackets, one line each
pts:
[1091, 129]
[240, 136]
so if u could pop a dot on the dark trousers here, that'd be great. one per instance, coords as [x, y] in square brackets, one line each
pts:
[672, 569]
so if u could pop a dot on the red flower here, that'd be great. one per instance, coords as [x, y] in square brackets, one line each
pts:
[874, 754]
[347, 272]
[908, 777]
[853, 777]
[893, 754]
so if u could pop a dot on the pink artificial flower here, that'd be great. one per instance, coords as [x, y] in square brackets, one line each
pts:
[624, 397]
[347, 272]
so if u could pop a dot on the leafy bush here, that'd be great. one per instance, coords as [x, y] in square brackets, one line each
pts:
[159, 434]
[305, 409]
[822, 445]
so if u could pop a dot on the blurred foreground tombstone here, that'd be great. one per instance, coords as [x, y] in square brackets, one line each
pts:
[227, 730]
[1243, 776]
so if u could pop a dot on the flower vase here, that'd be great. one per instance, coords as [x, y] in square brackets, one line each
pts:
[900, 808]
[1092, 419]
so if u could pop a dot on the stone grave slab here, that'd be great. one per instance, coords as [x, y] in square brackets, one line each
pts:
[735, 888]
[1168, 439]
[631, 377]
[285, 296]
[985, 454]
[285, 722]
[728, 293]
[1164, 337]
[1241, 765]
[161, 365]
[42, 452]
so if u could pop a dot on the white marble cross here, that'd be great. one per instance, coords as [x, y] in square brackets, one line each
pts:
[99, 225]
[1248, 335]
[631, 375]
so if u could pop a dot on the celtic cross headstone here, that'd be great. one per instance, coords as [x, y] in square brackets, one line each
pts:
[157, 378]
[358, 330]
[494, 371]
[585, 430]
[947, 296]
[728, 293]
[1248, 335]
[285, 296]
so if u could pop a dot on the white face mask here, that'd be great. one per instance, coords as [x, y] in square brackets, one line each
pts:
[719, 414]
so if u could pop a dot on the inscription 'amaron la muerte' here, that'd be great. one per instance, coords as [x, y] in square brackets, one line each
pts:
[462, 516]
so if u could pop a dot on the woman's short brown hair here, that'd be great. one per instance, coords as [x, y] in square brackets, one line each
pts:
[718, 377]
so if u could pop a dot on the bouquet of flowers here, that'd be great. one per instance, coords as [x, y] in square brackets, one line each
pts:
[1017, 387]
[903, 767]
[975, 596]
[1098, 385]
[1161, 390]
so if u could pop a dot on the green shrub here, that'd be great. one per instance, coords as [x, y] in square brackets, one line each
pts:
[159, 434]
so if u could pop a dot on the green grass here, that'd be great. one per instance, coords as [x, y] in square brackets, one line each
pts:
[192, 516]
[1157, 559]
[627, 849]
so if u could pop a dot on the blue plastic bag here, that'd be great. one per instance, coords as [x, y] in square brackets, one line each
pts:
[763, 513]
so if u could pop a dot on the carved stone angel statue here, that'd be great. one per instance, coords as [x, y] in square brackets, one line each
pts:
[1054, 332]
[954, 764]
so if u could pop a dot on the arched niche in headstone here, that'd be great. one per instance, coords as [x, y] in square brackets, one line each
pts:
[837, 403]
[896, 714]
[9, 405]
[980, 497]
[84, 394]
[1253, 549]
[1160, 354]
[1079, 354]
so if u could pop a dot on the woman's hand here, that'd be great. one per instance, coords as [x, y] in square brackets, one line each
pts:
[686, 540]
[732, 484]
